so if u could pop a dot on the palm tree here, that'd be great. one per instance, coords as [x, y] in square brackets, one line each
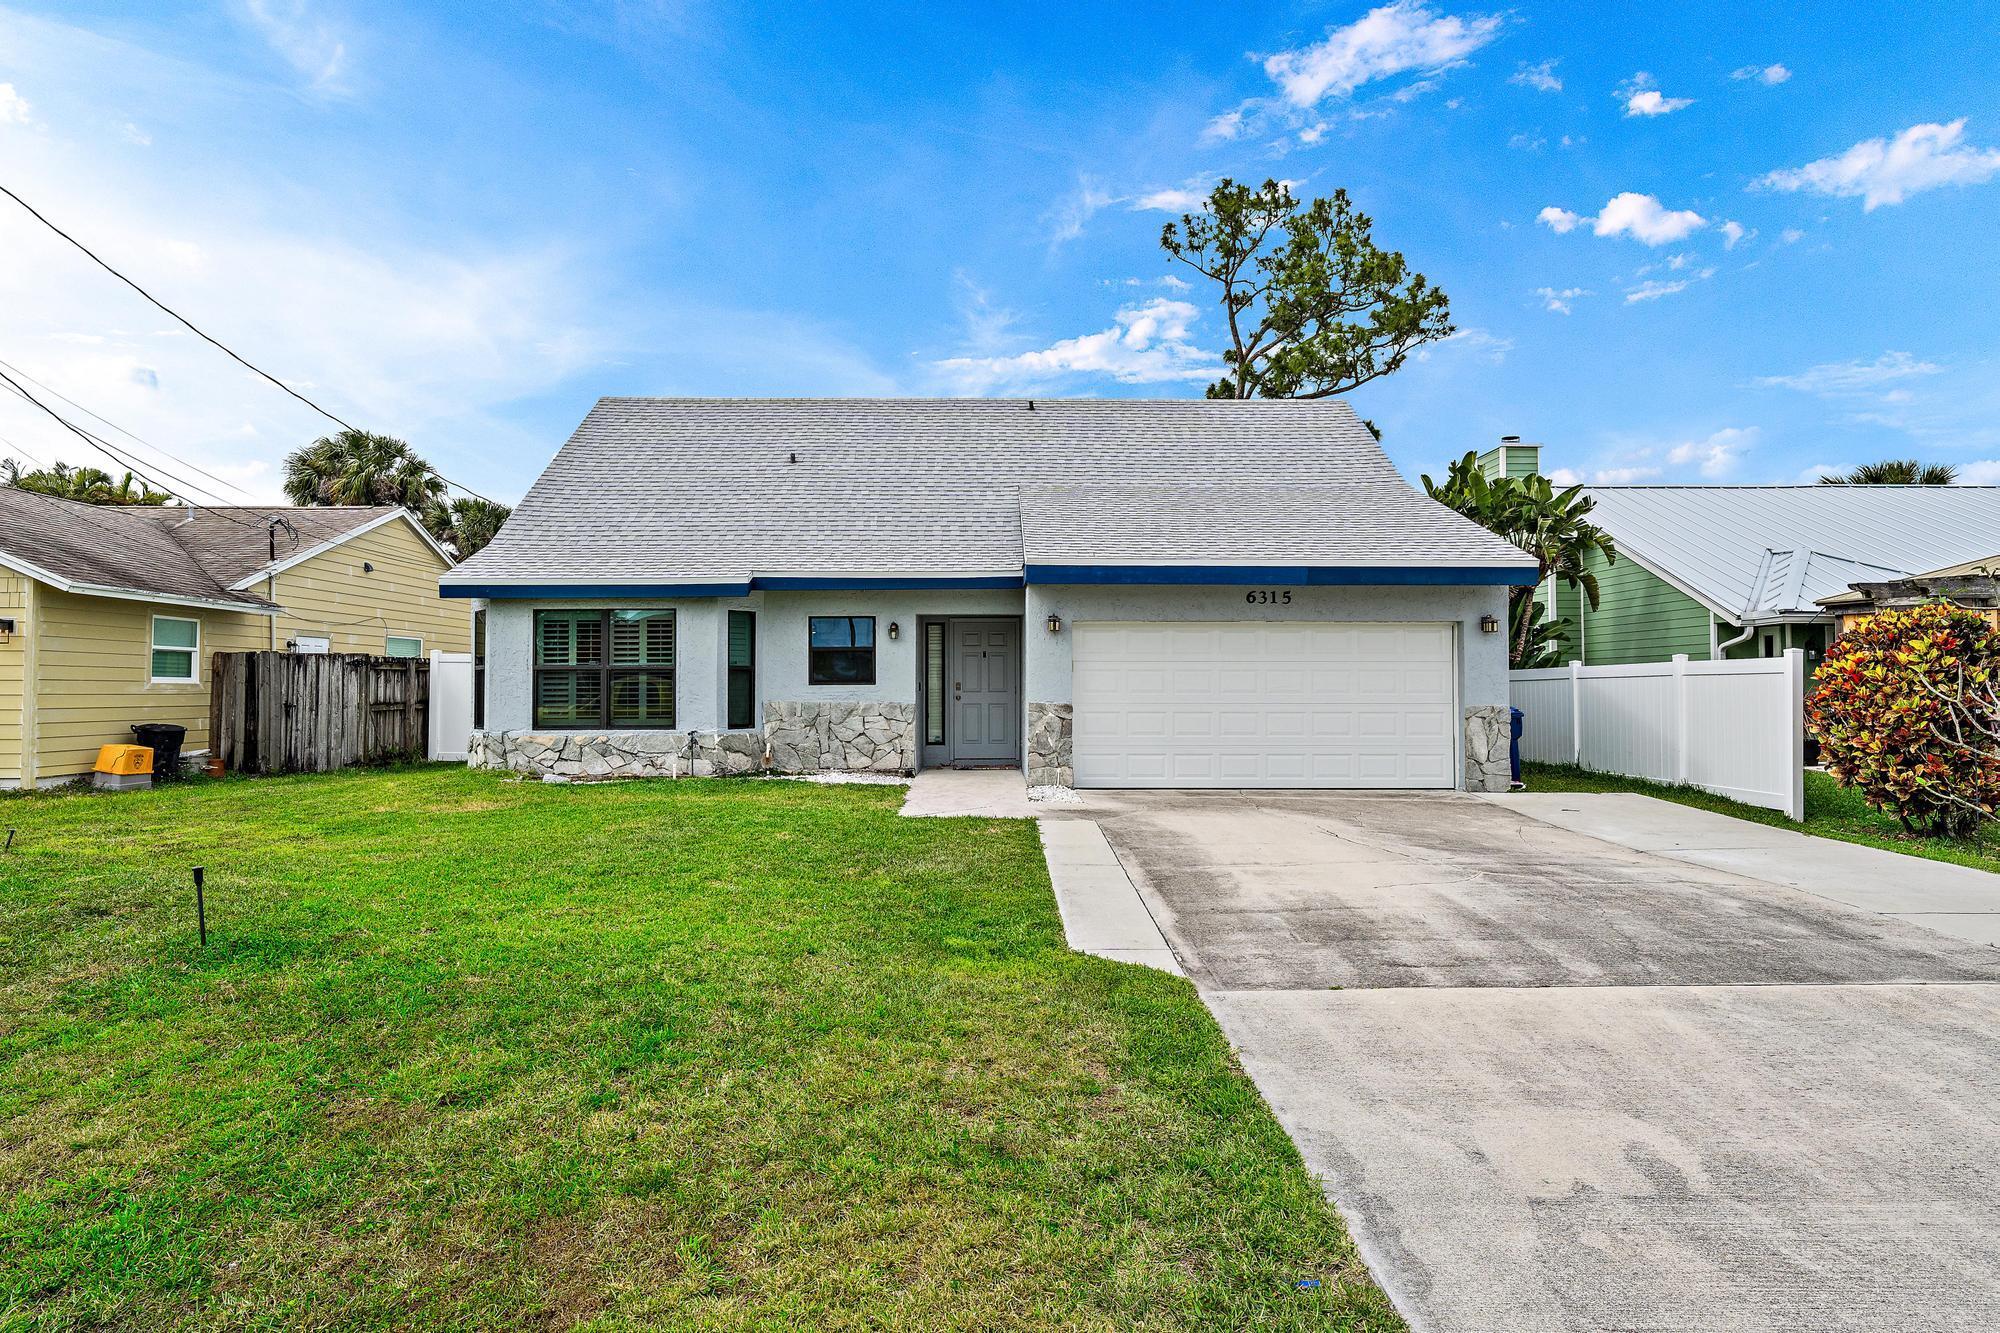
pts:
[1552, 526]
[358, 467]
[470, 523]
[89, 484]
[1895, 472]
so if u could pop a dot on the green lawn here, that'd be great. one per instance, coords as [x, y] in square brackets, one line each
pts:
[466, 1052]
[1832, 811]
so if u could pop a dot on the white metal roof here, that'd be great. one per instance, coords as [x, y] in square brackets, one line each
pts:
[1766, 552]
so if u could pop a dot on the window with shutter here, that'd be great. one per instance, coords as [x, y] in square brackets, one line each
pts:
[742, 670]
[934, 709]
[604, 669]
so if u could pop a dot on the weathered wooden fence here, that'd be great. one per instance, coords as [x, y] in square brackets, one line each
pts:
[1736, 728]
[311, 712]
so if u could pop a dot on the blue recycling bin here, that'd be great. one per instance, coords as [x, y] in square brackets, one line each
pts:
[1514, 745]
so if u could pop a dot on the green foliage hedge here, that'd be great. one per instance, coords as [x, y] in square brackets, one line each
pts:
[1887, 703]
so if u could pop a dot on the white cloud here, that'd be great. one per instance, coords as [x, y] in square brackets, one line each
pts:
[1888, 171]
[1227, 126]
[1559, 299]
[1150, 343]
[1187, 199]
[1482, 343]
[1618, 476]
[1396, 38]
[1639, 216]
[1983, 472]
[1791, 235]
[1769, 75]
[307, 43]
[1734, 234]
[1844, 378]
[1654, 289]
[1641, 98]
[14, 108]
[1541, 77]
[1559, 220]
[1528, 143]
[1716, 456]
[1070, 215]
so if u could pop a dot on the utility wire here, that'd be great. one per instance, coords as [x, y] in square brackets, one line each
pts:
[57, 393]
[123, 460]
[192, 328]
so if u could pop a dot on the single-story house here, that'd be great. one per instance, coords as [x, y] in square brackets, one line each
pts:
[1739, 571]
[1138, 594]
[1972, 584]
[108, 614]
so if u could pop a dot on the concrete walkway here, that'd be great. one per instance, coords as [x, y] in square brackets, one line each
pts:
[1950, 899]
[980, 793]
[1102, 912]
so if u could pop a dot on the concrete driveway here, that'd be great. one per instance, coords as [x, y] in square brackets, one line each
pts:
[1555, 1082]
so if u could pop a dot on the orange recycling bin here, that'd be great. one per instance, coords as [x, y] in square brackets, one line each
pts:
[124, 760]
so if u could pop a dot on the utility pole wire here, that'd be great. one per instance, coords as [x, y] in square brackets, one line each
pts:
[197, 332]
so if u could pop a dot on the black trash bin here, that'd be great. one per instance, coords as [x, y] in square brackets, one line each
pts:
[164, 740]
[1514, 746]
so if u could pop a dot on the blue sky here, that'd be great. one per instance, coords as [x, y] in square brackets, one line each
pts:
[1683, 242]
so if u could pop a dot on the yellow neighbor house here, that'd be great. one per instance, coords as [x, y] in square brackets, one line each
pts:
[109, 614]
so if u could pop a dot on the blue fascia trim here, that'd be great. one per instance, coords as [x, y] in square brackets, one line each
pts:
[552, 591]
[1281, 575]
[836, 583]
[799, 583]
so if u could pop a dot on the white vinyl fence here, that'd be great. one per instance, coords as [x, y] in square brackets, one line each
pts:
[1733, 728]
[451, 705]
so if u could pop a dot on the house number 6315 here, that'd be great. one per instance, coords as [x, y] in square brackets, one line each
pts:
[1267, 597]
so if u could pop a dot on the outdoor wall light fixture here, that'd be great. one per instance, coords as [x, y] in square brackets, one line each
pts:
[1055, 623]
[6, 629]
[1489, 624]
[367, 568]
[894, 629]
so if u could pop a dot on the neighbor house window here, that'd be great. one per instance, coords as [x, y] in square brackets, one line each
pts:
[742, 670]
[841, 650]
[934, 684]
[604, 669]
[479, 668]
[176, 649]
[403, 645]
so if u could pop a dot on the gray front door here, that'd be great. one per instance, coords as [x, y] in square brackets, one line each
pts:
[985, 691]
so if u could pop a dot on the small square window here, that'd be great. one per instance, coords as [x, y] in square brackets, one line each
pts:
[841, 650]
[176, 650]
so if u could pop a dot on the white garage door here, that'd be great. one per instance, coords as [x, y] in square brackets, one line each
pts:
[1312, 704]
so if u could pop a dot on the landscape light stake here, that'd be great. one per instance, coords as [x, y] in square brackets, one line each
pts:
[200, 910]
[10, 841]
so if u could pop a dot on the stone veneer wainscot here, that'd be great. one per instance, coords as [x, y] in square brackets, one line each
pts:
[796, 738]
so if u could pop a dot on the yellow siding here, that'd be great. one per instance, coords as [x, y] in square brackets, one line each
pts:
[330, 595]
[93, 669]
[13, 606]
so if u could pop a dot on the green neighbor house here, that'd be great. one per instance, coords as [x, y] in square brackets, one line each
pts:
[1738, 571]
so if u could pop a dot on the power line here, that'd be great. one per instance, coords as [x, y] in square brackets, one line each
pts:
[55, 392]
[125, 461]
[199, 333]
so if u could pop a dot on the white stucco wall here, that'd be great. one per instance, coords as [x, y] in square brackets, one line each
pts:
[702, 648]
[702, 658]
[1482, 665]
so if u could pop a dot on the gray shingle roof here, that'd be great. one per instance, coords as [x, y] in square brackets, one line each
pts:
[1750, 551]
[105, 546]
[233, 542]
[1359, 523]
[162, 551]
[727, 489]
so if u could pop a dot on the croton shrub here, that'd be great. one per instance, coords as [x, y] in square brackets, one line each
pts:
[1889, 700]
